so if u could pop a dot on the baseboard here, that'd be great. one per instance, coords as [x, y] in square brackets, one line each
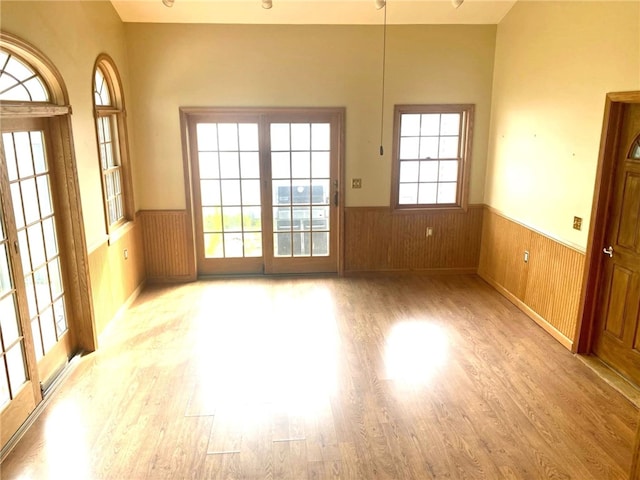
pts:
[550, 329]
[418, 271]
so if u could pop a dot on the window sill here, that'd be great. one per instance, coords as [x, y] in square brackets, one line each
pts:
[120, 231]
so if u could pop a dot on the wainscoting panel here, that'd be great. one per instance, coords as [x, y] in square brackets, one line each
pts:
[547, 287]
[116, 279]
[168, 249]
[378, 240]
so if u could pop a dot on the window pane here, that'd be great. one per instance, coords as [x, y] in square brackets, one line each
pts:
[9, 320]
[409, 148]
[23, 154]
[281, 192]
[448, 171]
[282, 218]
[229, 165]
[233, 245]
[43, 294]
[410, 125]
[37, 338]
[30, 200]
[301, 193]
[4, 385]
[60, 317]
[251, 192]
[250, 164]
[18, 69]
[251, 219]
[48, 329]
[50, 243]
[253, 244]
[36, 245]
[448, 147]
[408, 193]
[15, 365]
[16, 200]
[320, 164]
[320, 192]
[300, 136]
[300, 165]
[212, 219]
[282, 244]
[210, 192]
[228, 137]
[230, 192]
[430, 124]
[208, 164]
[427, 193]
[56, 279]
[409, 171]
[450, 124]
[207, 134]
[320, 218]
[232, 219]
[5, 273]
[280, 165]
[248, 137]
[429, 171]
[37, 147]
[10, 156]
[429, 147]
[36, 90]
[280, 137]
[320, 244]
[213, 246]
[447, 193]
[320, 136]
[44, 195]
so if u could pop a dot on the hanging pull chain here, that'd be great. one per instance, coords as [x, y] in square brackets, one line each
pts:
[384, 62]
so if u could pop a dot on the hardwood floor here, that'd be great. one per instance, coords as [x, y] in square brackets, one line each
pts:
[357, 378]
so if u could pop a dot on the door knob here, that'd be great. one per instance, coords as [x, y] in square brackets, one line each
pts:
[608, 251]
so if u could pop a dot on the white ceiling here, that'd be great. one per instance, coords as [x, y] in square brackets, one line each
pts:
[337, 12]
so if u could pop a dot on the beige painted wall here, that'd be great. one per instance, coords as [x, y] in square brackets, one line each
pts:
[72, 34]
[554, 63]
[265, 65]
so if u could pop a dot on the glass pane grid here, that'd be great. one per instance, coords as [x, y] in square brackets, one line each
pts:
[429, 158]
[300, 159]
[228, 159]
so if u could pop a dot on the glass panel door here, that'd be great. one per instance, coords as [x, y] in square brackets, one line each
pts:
[228, 197]
[265, 188]
[302, 196]
[33, 317]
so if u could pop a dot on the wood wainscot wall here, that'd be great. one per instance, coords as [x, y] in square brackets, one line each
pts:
[168, 246]
[116, 278]
[376, 239]
[547, 287]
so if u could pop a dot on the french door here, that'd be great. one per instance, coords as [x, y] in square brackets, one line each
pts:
[34, 334]
[266, 190]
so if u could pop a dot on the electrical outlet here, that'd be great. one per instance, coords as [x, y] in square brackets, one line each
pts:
[526, 256]
[356, 183]
[577, 223]
[125, 253]
[429, 232]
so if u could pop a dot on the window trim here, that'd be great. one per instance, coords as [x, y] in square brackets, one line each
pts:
[462, 195]
[120, 145]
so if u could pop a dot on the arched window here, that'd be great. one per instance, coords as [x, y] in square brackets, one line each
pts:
[112, 143]
[19, 82]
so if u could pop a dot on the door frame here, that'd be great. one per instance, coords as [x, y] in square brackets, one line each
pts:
[605, 172]
[189, 114]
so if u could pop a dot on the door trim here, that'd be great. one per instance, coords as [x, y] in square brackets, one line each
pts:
[189, 114]
[593, 269]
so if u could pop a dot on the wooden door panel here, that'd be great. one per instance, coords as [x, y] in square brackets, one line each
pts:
[629, 224]
[618, 291]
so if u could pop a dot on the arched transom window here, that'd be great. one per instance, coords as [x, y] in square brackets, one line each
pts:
[19, 82]
[112, 148]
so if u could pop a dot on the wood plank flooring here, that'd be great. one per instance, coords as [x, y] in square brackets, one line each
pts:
[397, 377]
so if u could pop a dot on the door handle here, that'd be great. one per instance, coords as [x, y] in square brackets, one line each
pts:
[335, 198]
[608, 251]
